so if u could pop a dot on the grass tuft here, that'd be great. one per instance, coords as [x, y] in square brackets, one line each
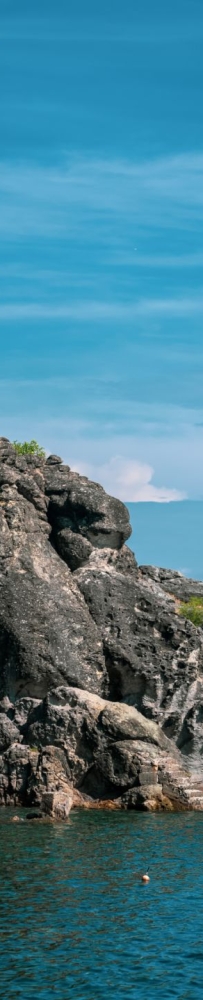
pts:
[193, 610]
[29, 448]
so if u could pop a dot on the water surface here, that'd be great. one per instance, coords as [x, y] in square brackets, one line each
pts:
[75, 920]
[169, 534]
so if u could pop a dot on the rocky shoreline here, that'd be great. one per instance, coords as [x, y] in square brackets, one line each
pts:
[101, 680]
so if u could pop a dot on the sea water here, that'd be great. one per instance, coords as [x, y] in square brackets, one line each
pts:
[75, 919]
[169, 534]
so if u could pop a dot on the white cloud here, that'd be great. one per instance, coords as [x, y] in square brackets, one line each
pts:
[129, 480]
[93, 310]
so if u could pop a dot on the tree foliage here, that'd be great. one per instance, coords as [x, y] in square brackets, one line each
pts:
[193, 610]
[29, 448]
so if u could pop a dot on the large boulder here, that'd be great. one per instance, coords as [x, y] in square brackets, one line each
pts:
[154, 657]
[78, 749]
[84, 508]
[95, 660]
[47, 635]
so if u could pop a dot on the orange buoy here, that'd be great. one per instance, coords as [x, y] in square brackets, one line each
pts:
[145, 878]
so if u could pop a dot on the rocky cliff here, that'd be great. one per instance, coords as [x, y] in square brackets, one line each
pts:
[101, 680]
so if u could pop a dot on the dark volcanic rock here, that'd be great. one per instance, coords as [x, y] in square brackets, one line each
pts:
[85, 508]
[154, 658]
[55, 460]
[173, 582]
[8, 733]
[47, 635]
[88, 751]
[97, 668]
[74, 549]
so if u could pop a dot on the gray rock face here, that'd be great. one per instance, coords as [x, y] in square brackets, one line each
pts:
[84, 508]
[95, 660]
[154, 658]
[173, 582]
[74, 549]
[78, 749]
[8, 732]
[47, 635]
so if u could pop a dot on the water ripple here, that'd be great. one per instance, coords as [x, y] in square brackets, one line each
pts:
[76, 921]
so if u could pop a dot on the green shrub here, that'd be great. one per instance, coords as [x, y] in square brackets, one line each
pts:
[193, 609]
[29, 448]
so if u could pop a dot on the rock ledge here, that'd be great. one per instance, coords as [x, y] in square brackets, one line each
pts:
[101, 680]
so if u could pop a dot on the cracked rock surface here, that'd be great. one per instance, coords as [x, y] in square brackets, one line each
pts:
[101, 680]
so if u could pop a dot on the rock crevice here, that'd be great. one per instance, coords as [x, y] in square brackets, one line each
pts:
[89, 641]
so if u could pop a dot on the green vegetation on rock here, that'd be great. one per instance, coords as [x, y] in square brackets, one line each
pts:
[193, 610]
[29, 448]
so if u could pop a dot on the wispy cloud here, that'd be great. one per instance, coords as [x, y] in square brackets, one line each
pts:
[63, 424]
[129, 480]
[107, 403]
[51, 277]
[91, 311]
[83, 195]
[159, 261]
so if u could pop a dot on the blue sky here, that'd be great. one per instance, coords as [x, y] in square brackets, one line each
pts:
[101, 249]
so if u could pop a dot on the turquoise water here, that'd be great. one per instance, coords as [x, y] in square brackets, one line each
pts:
[76, 921]
[169, 534]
